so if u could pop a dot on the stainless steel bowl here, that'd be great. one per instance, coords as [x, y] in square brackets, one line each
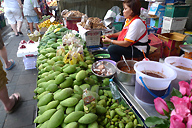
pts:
[124, 77]
[108, 65]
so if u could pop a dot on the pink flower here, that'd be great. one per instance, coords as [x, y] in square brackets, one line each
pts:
[182, 105]
[189, 122]
[160, 105]
[176, 122]
[185, 88]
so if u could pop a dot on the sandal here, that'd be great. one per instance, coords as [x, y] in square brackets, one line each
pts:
[20, 33]
[16, 102]
[12, 65]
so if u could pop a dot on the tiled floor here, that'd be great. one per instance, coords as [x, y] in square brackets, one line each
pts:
[20, 80]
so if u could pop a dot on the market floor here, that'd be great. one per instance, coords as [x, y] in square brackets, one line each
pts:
[20, 80]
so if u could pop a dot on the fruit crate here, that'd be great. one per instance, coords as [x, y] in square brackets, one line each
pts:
[177, 10]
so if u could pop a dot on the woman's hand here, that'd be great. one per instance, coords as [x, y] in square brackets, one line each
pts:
[105, 39]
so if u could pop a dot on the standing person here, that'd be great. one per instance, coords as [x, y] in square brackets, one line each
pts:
[133, 39]
[9, 64]
[10, 103]
[12, 9]
[44, 7]
[30, 10]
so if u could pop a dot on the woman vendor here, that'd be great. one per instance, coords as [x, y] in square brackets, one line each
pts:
[133, 39]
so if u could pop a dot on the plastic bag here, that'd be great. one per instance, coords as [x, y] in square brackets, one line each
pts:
[89, 102]
[84, 18]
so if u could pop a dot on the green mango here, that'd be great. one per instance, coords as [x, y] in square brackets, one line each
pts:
[50, 62]
[88, 118]
[63, 29]
[83, 64]
[69, 102]
[52, 104]
[43, 51]
[56, 119]
[79, 97]
[52, 87]
[94, 77]
[70, 69]
[55, 45]
[73, 76]
[76, 82]
[40, 90]
[50, 55]
[42, 109]
[78, 90]
[60, 78]
[48, 68]
[51, 50]
[82, 126]
[46, 115]
[81, 75]
[80, 106]
[63, 94]
[42, 94]
[100, 110]
[95, 88]
[57, 68]
[45, 99]
[70, 110]
[89, 81]
[93, 125]
[67, 83]
[72, 125]
[74, 116]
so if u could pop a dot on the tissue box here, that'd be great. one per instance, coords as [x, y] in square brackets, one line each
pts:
[155, 9]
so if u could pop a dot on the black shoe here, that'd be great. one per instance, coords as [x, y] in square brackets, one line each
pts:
[17, 34]
[20, 33]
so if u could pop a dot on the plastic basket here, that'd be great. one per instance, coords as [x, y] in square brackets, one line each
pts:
[118, 26]
[35, 38]
[30, 62]
[177, 10]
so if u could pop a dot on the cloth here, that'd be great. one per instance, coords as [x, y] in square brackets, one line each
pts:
[32, 19]
[117, 51]
[11, 4]
[3, 78]
[133, 30]
[1, 42]
[13, 15]
[28, 7]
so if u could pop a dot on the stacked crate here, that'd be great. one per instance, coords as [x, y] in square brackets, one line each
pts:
[175, 17]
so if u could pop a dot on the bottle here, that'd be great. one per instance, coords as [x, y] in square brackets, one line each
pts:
[114, 90]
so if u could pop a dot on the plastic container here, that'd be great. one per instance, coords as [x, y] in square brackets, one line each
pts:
[176, 23]
[147, 88]
[114, 90]
[30, 62]
[182, 75]
[177, 10]
[118, 26]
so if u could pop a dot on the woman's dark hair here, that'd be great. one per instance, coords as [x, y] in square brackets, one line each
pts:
[135, 6]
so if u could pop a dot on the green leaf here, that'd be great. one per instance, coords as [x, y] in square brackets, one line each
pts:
[152, 121]
[162, 126]
[170, 105]
[176, 92]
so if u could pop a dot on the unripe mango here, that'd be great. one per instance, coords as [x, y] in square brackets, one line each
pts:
[74, 116]
[69, 102]
[81, 75]
[88, 118]
[63, 94]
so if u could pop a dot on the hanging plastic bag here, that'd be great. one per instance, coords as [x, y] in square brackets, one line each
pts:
[89, 101]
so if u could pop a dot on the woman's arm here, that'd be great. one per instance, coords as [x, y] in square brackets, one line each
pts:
[117, 42]
[20, 4]
[114, 35]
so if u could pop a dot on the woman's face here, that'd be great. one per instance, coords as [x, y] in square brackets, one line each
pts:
[127, 11]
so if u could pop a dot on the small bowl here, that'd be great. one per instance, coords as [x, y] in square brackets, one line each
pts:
[107, 65]
[101, 54]
[125, 77]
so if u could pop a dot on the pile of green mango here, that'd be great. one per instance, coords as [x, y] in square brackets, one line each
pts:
[60, 88]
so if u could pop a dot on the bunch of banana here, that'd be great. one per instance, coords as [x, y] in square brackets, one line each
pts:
[73, 59]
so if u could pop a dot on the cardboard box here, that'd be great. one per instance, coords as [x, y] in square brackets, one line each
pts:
[177, 23]
[156, 42]
[171, 31]
[171, 42]
[154, 9]
[92, 37]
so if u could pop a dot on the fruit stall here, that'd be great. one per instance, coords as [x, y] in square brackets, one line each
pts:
[78, 86]
[69, 93]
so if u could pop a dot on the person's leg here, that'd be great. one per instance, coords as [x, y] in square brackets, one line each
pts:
[31, 27]
[8, 102]
[36, 26]
[117, 51]
[19, 25]
[35, 21]
[14, 27]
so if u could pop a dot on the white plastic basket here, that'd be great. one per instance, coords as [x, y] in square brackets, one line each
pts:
[30, 62]
[177, 23]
